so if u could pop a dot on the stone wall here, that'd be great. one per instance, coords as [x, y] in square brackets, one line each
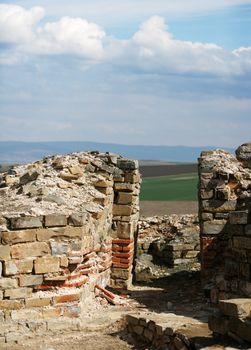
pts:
[225, 223]
[67, 224]
[167, 244]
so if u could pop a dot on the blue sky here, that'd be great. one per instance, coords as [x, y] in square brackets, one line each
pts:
[133, 72]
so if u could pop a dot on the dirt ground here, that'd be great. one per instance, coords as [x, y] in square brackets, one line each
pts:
[151, 208]
[178, 294]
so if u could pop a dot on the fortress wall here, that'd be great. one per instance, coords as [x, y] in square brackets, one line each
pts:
[225, 223]
[67, 224]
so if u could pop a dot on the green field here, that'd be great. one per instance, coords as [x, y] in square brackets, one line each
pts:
[170, 188]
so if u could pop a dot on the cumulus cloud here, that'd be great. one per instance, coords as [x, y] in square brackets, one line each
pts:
[151, 49]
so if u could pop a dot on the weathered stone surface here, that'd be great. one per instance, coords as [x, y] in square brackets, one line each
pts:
[127, 187]
[26, 250]
[4, 252]
[68, 231]
[241, 328]
[59, 248]
[235, 307]
[11, 304]
[13, 237]
[242, 242]
[243, 154]
[30, 280]
[6, 283]
[214, 206]
[37, 302]
[47, 264]
[18, 293]
[214, 227]
[77, 219]
[26, 222]
[124, 198]
[13, 267]
[53, 220]
[238, 217]
[123, 210]
[125, 230]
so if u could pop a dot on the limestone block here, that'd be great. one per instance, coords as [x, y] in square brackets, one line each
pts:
[47, 264]
[30, 280]
[103, 183]
[26, 314]
[4, 252]
[132, 178]
[127, 187]
[11, 304]
[37, 302]
[127, 164]
[123, 210]
[22, 236]
[8, 283]
[53, 220]
[64, 261]
[13, 267]
[75, 170]
[214, 205]
[214, 227]
[18, 293]
[25, 250]
[26, 222]
[133, 320]
[242, 328]
[243, 154]
[238, 217]
[236, 307]
[124, 198]
[59, 248]
[121, 273]
[125, 230]
[77, 219]
[68, 232]
[242, 242]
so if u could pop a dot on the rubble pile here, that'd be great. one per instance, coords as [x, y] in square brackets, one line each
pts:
[167, 244]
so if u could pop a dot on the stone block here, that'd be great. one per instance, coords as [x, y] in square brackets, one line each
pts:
[13, 267]
[59, 248]
[132, 320]
[6, 283]
[218, 324]
[124, 198]
[11, 304]
[236, 307]
[121, 186]
[4, 252]
[30, 280]
[37, 302]
[25, 250]
[121, 273]
[13, 237]
[47, 264]
[1, 269]
[54, 220]
[207, 194]
[214, 227]
[241, 328]
[138, 329]
[67, 231]
[26, 314]
[127, 164]
[122, 210]
[64, 261]
[219, 206]
[148, 334]
[242, 242]
[125, 230]
[26, 222]
[103, 183]
[238, 217]
[77, 219]
[18, 293]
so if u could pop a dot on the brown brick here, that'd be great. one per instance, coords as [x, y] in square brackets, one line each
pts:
[25, 250]
[47, 264]
[4, 252]
[18, 293]
[66, 298]
[11, 304]
[37, 302]
[53, 220]
[30, 280]
[13, 267]
[26, 222]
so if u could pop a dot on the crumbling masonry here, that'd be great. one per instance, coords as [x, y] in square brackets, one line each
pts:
[67, 227]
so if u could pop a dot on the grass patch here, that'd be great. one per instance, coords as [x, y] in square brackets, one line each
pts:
[181, 187]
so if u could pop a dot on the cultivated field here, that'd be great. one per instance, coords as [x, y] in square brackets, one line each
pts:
[169, 189]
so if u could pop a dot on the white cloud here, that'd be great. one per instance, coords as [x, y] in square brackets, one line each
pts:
[151, 49]
[17, 24]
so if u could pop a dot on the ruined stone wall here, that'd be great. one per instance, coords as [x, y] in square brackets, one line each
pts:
[67, 224]
[225, 222]
[165, 244]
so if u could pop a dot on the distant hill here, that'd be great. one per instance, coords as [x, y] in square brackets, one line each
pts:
[23, 152]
